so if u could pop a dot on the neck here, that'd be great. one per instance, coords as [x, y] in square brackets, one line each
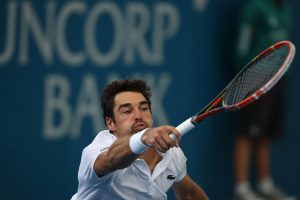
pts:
[151, 157]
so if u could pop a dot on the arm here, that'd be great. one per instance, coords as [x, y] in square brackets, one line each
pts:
[187, 189]
[120, 155]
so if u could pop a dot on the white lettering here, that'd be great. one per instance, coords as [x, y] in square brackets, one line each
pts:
[100, 58]
[106, 34]
[57, 111]
[199, 5]
[164, 12]
[70, 58]
[30, 24]
[138, 24]
[88, 105]
[10, 33]
[60, 120]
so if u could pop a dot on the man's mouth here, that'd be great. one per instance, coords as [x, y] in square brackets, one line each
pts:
[138, 126]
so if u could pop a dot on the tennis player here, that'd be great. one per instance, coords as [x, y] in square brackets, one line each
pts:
[133, 160]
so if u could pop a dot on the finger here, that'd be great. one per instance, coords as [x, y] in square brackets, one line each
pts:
[168, 140]
[160, 141]
[174, 135]
[160, 148]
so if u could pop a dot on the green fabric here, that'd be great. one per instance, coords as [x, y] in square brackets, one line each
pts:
[262, 24]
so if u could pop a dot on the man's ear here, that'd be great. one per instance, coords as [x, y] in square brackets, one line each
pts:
[110, 124]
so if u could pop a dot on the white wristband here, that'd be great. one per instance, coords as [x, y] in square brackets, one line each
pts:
[136, 144]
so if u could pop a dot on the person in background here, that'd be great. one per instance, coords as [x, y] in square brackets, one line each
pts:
[132, 159]
[262, 24]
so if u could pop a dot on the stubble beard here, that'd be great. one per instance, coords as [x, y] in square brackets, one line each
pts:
[139, 126]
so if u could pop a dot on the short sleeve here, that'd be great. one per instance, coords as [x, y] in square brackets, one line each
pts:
[100, 145]
[181, 164]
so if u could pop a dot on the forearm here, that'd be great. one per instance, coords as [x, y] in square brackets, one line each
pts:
[121, 154]
[187, 189]
[118, 156]
[197, 193]
[126, 149]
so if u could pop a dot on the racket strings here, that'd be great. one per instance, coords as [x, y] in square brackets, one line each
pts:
[255, 76]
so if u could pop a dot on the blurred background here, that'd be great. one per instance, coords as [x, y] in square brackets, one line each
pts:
[56, 56]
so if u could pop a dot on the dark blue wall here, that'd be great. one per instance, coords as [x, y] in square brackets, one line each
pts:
[55, 57]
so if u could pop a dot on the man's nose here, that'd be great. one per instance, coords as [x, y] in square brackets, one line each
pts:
[138, 113]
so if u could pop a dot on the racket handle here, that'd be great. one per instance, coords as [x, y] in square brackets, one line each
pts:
[183, 128]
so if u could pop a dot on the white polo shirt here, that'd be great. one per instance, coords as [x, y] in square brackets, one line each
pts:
[134, 182]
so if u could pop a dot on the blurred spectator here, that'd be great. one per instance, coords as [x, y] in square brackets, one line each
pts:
[262, 23]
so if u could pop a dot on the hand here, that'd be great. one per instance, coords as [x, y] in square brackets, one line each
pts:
[159, 138]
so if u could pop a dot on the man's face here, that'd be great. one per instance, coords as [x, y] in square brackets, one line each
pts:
[131, 112]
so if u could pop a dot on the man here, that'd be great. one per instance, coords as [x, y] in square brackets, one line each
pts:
[262, 24]
[131, 160]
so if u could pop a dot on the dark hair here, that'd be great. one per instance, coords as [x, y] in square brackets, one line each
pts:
[127, 85]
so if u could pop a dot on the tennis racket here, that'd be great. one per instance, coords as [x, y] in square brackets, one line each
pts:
[252, 82]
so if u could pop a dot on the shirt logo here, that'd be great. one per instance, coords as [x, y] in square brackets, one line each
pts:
[171, 177]
[104, 149]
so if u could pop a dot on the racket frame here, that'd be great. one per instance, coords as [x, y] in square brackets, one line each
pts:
[211, 108]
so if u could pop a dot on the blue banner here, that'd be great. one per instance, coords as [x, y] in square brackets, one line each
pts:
[56, 56]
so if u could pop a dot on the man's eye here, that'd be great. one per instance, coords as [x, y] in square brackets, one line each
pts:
[145, 108]
[126, 111]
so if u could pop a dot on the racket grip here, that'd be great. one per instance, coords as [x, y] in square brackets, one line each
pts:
[183, 128]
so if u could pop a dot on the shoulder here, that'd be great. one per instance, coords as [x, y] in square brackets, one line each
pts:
[103, 138]
[178, 162]
[101, 142]
[178, 157]
[177, 151]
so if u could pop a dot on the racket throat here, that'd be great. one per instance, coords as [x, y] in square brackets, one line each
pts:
[209, 109]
